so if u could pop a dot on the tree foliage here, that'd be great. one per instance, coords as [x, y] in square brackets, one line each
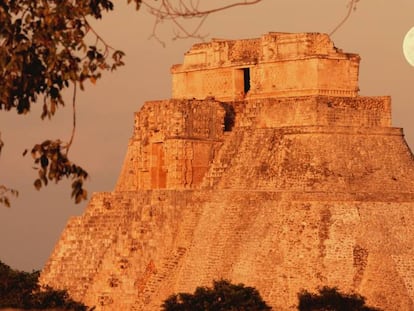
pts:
[222, 296]
[330, 299]
[46, 47]
[20, 289]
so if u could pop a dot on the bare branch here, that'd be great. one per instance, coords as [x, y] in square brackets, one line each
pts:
[167, 8]
[351, 7]
[1, 143]
[178, 12]
[69, 144]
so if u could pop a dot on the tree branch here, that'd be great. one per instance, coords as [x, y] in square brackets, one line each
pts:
[179, 11]
[69, 144]
[351, 7]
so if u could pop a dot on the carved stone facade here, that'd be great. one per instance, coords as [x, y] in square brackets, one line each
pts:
[173, 144]
[287, 181]
[277, 64]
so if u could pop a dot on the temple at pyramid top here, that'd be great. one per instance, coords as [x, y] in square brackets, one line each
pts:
[275, 65]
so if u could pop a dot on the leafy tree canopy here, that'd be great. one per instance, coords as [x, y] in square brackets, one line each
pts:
[330, 299]
[20, 289]
[222, 296]
[46, 47]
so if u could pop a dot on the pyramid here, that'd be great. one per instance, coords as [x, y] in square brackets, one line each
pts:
[265, 168]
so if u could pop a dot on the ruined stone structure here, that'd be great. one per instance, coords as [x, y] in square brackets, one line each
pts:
[266, 67]
[266, 168]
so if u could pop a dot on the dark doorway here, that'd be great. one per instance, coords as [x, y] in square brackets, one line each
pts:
[246, 76]
[229, 117]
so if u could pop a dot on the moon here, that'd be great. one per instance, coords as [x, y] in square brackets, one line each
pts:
[408, 46]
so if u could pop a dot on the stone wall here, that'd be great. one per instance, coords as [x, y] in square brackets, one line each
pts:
[282, 207]
[166, 241]
[313, 159]
[173, 144]
[328, 111]
[283, 193]
[277, 64]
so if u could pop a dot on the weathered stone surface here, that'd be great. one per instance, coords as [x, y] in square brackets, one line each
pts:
[279, 192]
[277, 64]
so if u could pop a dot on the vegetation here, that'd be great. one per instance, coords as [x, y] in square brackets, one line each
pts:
[330, 299]
[21, 290]
[222, 296]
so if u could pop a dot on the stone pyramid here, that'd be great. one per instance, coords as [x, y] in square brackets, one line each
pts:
[266, 168]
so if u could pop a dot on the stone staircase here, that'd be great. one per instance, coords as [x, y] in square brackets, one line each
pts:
[223, 159]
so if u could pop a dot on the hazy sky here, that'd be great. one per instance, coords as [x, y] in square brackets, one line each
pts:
[31, 227]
